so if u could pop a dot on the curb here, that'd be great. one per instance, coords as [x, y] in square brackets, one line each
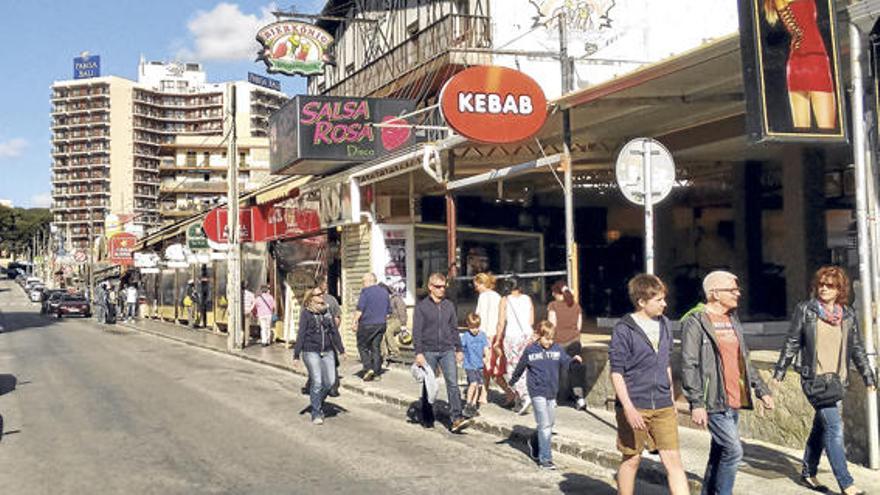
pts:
[654, 474]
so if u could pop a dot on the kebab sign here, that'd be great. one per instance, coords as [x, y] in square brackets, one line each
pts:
[492, 104]
[294, 48]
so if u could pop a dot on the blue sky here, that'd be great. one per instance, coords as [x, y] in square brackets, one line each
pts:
[40, 38]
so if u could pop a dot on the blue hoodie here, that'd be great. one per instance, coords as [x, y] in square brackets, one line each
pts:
[544, 366]
[644, 370]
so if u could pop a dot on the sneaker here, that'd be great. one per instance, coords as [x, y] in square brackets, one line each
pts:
[580, 405]
[548, 466]
[461, 423]
[533, 448]
[369, 375]
[524, 407]
[318, 421]
[469, 411]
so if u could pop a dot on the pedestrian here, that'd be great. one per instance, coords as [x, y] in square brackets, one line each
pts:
[131, 300]
[373, 308]
[395, 323]
[717, 377]
[188, 302]
[824, 336]
[565, 314]
[475, 347]
[642, 378]
[319, 343]
[488, 309]
[516, 316]
[264, 306]
[436, 342]
[109, 304]
[100, 303]
[336, 313]
[248, 301]
[544, 360]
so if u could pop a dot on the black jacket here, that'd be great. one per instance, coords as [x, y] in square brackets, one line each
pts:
[643, 370]
[317, 332]
[801, 343]
[435, 326]
[701, 368]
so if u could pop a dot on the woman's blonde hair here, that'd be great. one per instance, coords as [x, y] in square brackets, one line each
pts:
[770, 12]
[545, 329]
[485, 279]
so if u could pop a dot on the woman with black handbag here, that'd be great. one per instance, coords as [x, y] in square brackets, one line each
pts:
[824, 337]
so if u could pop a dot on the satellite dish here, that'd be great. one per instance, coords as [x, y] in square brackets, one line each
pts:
[630, 170]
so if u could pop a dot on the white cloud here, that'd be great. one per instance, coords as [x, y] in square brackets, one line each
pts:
[225, 33]
[41, 200]
[12, 148]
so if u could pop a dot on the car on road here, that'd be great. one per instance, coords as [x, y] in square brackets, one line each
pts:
[73, 305]
[50, 301]
[36, 293]
[31, 282]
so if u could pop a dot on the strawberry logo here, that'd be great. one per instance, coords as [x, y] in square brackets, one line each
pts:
[394, 137]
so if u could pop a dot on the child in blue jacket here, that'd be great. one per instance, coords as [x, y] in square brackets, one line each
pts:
[544, 359]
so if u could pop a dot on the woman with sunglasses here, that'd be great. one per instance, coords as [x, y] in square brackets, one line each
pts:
[825, 336]
[318, 341]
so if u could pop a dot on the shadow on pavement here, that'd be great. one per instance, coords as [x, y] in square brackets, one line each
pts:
[517, 439]
[24, 320]
[770, 463]
[7, 383]
[578, 483]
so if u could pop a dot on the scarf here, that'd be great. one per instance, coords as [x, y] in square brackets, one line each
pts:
[316, 307]
[834, 317]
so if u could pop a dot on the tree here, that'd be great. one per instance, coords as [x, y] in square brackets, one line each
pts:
[18, 225]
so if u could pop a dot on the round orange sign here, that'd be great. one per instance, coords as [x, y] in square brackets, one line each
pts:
[493, 104]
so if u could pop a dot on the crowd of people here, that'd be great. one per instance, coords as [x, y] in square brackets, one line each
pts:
[531, 362]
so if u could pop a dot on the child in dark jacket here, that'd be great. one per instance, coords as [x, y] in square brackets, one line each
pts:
[544, 359]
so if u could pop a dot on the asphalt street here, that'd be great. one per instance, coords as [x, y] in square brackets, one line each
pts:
[88, 408]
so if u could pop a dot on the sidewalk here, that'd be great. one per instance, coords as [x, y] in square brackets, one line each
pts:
[588, 435]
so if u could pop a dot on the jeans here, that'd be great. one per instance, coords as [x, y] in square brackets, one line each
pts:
[446, 360]
[369, 344]
[132, 310]
[827, 434]
[545, 417]
[725, 453]
[322, 375]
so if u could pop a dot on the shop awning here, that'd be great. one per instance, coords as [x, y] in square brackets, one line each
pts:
[281, 189]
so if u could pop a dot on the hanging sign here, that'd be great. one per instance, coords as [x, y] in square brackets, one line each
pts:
[320, 209]
[216, 228]
[195, 237]
[318, 135]
[121, 248]
[493, 104]
[293, 48]
[791, 71]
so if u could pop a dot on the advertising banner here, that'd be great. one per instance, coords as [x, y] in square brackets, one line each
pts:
[121, 248]
[323, 208]
[318, 135]
[791, 71]
[216, 228]
[87, 67]
[196, 238]
[266, 82]
[393, 258]
[293, 48]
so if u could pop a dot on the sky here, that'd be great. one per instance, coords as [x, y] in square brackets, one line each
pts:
[40, 39]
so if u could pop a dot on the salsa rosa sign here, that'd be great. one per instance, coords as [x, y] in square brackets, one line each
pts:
[493, 104]
[318, 134]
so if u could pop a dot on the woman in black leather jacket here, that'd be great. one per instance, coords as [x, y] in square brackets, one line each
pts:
[318, 341]
[824, 337]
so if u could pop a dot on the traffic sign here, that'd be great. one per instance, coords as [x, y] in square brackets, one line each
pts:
[630, 170]
[80, 256]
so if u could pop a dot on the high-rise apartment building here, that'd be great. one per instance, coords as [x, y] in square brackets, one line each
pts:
[154, 149]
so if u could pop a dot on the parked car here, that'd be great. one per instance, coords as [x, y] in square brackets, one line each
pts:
[36, 293]
[73, 305]
[30, 282]
[50, 301]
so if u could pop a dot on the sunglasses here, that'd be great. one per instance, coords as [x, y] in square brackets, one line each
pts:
[731, 289]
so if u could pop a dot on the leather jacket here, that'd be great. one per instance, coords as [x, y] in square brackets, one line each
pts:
[800, 343]
[701, 368]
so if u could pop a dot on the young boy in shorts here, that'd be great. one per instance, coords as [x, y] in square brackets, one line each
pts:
[475, 346]
[642, 379]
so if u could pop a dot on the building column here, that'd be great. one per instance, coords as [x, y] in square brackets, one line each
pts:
[747, 233]
[803, 196]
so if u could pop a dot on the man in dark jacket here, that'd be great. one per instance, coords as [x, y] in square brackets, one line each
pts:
[373, 308]
[436, 342]
[718, 378]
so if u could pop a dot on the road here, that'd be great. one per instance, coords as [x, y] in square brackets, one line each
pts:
[90, 409]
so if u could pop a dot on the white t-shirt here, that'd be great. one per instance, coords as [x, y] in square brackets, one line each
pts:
[488, 307]
[651, 327]
[131, 295]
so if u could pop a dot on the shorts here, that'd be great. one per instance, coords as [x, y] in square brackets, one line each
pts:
[474, 376]
[661, 433]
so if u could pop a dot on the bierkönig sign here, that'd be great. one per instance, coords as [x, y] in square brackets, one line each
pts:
[492, 104]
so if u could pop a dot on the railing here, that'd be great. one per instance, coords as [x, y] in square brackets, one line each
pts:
[449, 32]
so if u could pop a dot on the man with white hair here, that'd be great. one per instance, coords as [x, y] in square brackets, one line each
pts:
[370, 320]
[718, 378]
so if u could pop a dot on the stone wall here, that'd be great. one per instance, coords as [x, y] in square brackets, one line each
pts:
[788, 424]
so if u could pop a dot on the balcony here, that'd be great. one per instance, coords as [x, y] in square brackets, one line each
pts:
[445, 38]
[194, 187]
